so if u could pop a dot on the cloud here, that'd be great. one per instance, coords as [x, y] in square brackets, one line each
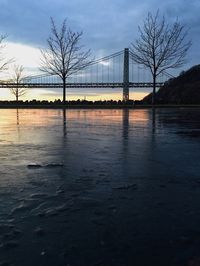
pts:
[25, 55]
[108, 26]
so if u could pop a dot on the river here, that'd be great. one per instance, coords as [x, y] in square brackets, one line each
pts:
[102, 187]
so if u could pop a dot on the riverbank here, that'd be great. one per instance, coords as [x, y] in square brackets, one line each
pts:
[93, 106]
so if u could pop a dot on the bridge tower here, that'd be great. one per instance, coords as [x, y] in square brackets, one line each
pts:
[126, 75]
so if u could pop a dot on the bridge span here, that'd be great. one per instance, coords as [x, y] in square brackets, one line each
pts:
[115, 71]
[79, 85]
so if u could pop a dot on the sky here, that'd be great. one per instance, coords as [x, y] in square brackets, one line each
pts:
[108, 26]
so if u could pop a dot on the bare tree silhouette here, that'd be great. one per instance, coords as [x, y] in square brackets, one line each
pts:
[17, 78]
[64, 55]
[160, 46]
[4, 63]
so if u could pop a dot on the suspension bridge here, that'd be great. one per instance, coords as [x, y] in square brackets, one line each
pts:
[115, 71]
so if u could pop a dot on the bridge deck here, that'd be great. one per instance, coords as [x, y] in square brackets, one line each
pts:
[79, 85]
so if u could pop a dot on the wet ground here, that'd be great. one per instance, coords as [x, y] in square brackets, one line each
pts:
[100, 187]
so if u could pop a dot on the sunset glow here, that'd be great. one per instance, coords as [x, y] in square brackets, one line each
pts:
[99, 133]
[42, 94]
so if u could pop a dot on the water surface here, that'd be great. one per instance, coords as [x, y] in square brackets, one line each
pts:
[99, 187]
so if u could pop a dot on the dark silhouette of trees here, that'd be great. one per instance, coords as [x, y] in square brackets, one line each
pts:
[64, 55]
[160, 46]
[17, 78]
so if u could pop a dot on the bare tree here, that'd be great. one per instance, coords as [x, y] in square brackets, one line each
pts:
[17, 78]
[160, 46]
[4, 63]
[64, 55]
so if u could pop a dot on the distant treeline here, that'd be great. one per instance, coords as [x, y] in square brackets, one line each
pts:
[73, 102]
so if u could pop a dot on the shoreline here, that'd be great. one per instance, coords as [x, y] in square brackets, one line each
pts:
[79, 106]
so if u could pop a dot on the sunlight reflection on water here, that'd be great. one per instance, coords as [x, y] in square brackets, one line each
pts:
[79, 169]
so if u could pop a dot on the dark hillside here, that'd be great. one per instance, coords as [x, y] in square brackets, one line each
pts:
[184, 89]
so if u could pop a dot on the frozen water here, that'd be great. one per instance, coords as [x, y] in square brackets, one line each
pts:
[108, 187]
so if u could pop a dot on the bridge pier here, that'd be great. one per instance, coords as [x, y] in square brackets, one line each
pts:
[126, 75]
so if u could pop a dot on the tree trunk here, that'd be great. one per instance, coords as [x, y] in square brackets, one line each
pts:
[64, 90]
[17, 95]
[154, 90]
